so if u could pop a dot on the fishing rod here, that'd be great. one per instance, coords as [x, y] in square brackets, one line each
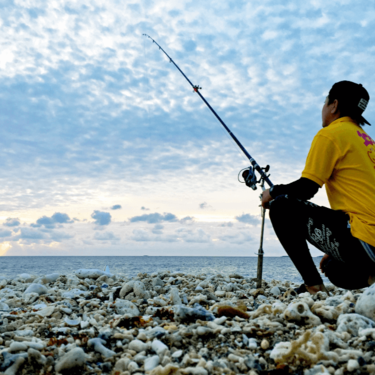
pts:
[250, 178]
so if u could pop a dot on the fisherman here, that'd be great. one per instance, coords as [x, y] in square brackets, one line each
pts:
[341, 157]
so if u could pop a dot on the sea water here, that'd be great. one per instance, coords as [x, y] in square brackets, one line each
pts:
[278, 268]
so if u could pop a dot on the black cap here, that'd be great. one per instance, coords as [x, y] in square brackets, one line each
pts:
[352, 97]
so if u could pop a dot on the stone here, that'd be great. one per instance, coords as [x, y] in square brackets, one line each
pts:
[138, 346]
[17, 347]
[125, 307]
[98, 346]
[126, 288]
[47, 311]
[151, 363]
[300, 312]
[72, 360]
[91, 273]
[35, 358]
[158, 347]
[186, 314]
[175, 297]
[157, 281]
[36, 288]
[366, 303]
[140, 290]
[275, 291]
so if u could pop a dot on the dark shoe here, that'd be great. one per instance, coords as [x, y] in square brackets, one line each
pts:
[301, 289]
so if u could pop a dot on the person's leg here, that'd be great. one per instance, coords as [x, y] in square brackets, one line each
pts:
[296, 221]
[346, 275]
[289, 220]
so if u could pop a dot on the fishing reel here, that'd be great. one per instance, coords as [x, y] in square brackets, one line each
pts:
[250, 178]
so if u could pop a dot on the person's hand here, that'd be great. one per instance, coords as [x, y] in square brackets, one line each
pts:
[323, 260]
[266, 198]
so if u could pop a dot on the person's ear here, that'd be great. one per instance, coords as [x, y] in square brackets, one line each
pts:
[335, 107]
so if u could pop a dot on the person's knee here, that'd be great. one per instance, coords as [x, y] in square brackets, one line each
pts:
[282, 206]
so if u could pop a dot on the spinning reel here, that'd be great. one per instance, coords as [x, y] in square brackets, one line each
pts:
[250, 178]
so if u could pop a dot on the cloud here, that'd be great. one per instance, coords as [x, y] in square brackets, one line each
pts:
[248, 219]
[12, 222]
[101, 218]
[154, 218]
[145, 209]
[116, 207]
[29, 234]
[49, 222]
[158, 229]
[203, 205]
[237, 239]
[140, 235]
[228, 224]
[5, 233]
[105, 236]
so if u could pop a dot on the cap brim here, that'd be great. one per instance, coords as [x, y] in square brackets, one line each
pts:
[365, 121]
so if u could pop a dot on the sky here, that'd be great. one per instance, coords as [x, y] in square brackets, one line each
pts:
[106, 149]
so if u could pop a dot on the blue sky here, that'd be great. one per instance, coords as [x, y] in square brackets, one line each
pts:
[106, 150]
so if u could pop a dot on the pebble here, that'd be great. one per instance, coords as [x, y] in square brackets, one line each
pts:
[96, 322]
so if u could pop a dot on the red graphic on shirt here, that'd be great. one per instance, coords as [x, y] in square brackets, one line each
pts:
[371, 155]
[366, 138]
[368, 142]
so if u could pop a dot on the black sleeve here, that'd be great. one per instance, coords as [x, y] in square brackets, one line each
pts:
[303, 189]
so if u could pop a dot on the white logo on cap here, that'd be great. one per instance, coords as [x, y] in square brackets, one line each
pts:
[363, 104]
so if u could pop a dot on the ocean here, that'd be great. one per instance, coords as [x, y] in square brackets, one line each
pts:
[278, 268]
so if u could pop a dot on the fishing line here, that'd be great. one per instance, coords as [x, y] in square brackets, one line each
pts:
[249, 173]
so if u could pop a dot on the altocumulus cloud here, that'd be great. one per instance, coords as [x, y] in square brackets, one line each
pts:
[106, 236]
[50, 222]
[248, 219]
[154, 218]
[101, 218]
[116, 207]
[5, 233]
[12, 222]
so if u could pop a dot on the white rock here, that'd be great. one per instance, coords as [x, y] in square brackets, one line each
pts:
[138, 346]
[275, 291]
[133, 366]
[30, 298]
[157, 281]
[151, 363]
[73, 359]
[72, 322]
[14, 369]
[175, 297]
[4, 306]
[351, 323]
[252, 343]
[74, 293]
[158, 347]
[125, 307]
[220, 293]
[126, 288]
[177, 354]
[91, 273]
[47, 311]
[366, 303]
[300, 312]
[17, 347]
[194, 371]
[36, 288]
[139, 289]
[352, 365]
[97, 343]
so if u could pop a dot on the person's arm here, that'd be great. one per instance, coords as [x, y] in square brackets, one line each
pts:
[303, 189]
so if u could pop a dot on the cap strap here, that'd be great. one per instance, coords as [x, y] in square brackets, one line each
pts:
[363, 104]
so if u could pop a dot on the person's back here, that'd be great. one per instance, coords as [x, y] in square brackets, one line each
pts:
[342, 157]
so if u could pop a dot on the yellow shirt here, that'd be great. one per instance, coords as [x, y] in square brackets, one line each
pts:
[342, 156]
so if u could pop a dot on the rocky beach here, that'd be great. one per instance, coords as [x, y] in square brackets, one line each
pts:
[95, 322]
